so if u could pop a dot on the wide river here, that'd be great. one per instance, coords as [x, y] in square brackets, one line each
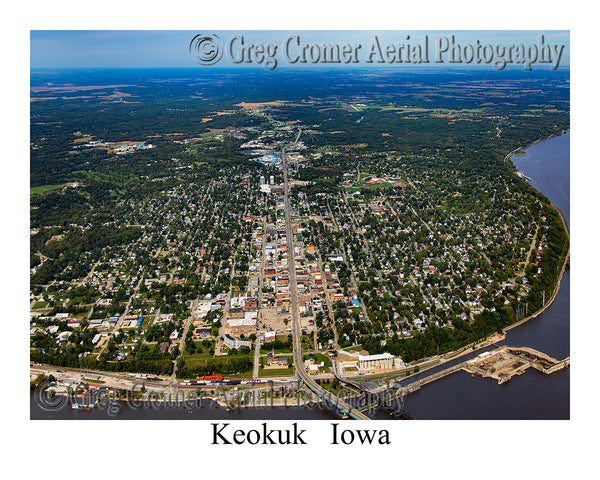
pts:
[531, 395]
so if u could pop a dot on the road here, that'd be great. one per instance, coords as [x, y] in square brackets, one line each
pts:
[296, 333]
[533, 244]
[353, 273]
[256, 358]
[119, 322]
[181, 343]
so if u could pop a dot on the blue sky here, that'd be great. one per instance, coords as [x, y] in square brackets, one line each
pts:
[164, 48]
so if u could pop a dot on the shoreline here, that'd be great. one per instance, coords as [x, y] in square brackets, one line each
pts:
[448, 356]
[558, 283]
[510, 154]
[567, 254]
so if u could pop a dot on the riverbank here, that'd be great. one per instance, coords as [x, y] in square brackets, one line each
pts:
[565, 262]
[510, 154]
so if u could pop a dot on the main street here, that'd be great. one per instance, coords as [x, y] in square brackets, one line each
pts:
[296, 332]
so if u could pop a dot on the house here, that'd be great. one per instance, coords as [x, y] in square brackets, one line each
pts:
[52, 329]
[163, 347]
[64, 336]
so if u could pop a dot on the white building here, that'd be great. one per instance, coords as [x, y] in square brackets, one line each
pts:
[234, 342]
[382, 361]
[64, 336]
[242, 322]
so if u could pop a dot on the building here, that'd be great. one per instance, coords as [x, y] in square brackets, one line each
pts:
[234, 342]
[202, 331]
[236, 313]
[311, 367]
[270, 337]
[64, 336]
[279, 361]
[163, 347]
[384, 361]
[251, 303]
[244, 325]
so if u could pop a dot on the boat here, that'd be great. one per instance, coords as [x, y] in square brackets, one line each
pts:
[82, 406]
[522, 175]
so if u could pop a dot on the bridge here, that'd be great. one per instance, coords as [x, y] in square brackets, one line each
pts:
[328, 397]
[417, 384]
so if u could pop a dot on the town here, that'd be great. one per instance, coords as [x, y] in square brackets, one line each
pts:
[170, 262]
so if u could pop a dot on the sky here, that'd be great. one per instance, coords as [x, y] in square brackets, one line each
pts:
[170, 48]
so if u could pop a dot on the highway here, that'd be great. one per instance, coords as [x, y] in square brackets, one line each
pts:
[329, 397]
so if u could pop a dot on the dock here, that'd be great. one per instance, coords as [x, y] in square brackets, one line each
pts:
[500, 364]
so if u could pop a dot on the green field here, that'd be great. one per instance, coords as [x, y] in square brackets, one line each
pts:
[318, 358]
[268, 347]
[114, 178]
[146, 323]
[42, 189]
[197, 359]
[201, 358]
[379, 185]
[276, 372]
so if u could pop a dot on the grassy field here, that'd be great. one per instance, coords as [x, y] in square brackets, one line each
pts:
[318, 358]
[247, 374]
[276, 372]
[42, 189]
[146, 322]
[115, 178]
[202, 358]
[83, 139]
[380, 185]
[267, 347]
[197, 359]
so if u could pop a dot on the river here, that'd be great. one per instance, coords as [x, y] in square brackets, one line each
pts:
[531, 395]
